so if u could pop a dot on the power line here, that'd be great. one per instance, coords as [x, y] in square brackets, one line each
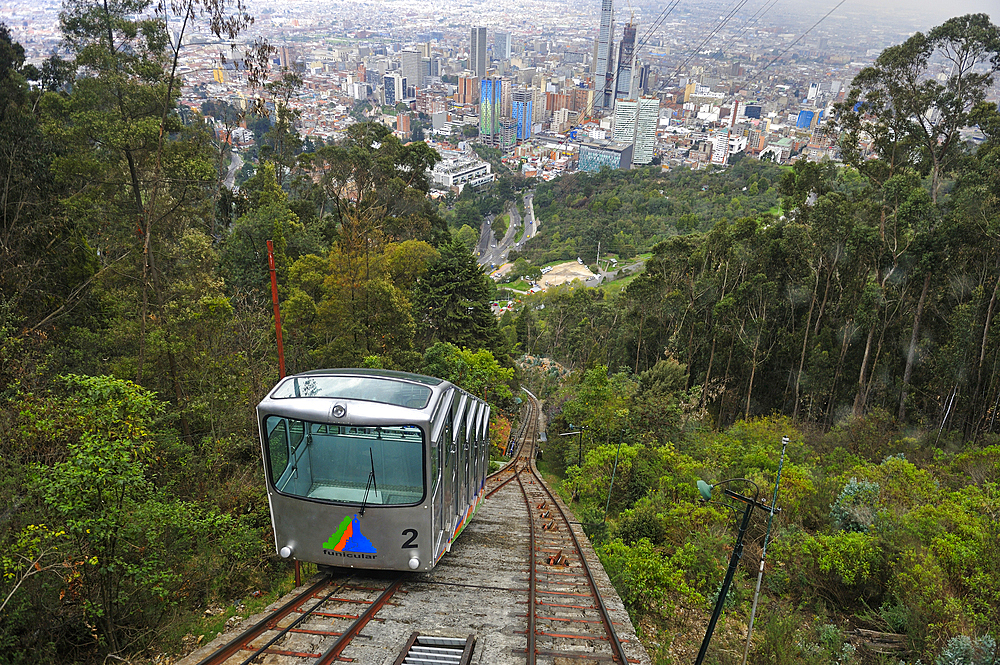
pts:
[758, 73]
[751, 21]
[642, 42]
[797, 40]
[721, 25]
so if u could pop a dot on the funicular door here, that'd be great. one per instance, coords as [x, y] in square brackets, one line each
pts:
[441, 463]
[474, 464]
[457, 443]
[484, 449]
[470, 437]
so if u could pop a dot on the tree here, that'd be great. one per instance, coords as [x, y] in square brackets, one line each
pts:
[139, 176]
[281, 143]
[467, 236]
[125, 537]
[914, 122]
[452, 301]
[46, 261]
[476, 371]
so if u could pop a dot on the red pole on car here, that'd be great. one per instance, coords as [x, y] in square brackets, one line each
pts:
[281, 348]
[277, 311]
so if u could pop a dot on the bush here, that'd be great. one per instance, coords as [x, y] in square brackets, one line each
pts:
[855, 509]
[964, 650]
[644, 578]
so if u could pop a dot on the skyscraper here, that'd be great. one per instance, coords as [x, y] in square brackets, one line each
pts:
[490, 96]
[604, 69]
[410, 62]
[477, 52]
[522, 110]
[395, 88]
[468, 90]
[635, 122]
[501, 45]
[626, 64]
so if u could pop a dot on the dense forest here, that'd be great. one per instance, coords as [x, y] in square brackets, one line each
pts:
[873, 287]
[849, 307]
[628, 212]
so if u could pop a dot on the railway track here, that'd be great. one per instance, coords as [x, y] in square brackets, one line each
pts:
[314, 627]
[554, 606]
[567, 617]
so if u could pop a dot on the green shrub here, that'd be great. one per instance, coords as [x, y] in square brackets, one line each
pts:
[645, 580]
[856, 507]
[964, 650]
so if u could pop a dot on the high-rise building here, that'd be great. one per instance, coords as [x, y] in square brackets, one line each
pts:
[477, 52]
[508, 134]
[595, 155]
[522, 111]
[490, 97]
[635, 122]
[467, 91]
[720, 148]
[395, 88]
[626, 64]
[604, 68]
[410, 62]
[501, 45]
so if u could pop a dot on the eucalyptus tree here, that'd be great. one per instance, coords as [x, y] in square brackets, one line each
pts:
[911, 106]
[139, 180]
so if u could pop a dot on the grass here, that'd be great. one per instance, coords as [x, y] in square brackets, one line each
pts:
[519, 285]
[618, 285]
[520, 233]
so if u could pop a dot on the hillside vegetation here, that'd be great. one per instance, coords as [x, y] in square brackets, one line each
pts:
[861, 324]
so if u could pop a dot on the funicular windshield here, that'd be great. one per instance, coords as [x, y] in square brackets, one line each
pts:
[373, 389]
[342, 464]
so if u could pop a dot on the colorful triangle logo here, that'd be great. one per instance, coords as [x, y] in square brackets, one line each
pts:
[348, 538]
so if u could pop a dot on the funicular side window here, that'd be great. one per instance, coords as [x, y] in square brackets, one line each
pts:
[277, 446]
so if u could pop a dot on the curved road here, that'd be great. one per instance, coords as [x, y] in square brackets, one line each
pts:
[494, 254]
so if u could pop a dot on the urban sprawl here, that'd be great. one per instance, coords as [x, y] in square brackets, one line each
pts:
[554, 87]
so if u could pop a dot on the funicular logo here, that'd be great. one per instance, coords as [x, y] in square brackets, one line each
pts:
[349, 542]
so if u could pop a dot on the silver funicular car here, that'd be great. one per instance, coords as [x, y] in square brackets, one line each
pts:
[371, 468]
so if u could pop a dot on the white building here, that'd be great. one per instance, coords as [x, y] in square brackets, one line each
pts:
[635, 123]
[458, 173]
[720, 148]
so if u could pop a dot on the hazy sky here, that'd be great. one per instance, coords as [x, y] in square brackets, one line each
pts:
[939, 10]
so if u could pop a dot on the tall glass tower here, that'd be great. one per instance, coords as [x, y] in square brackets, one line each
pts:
[477, 52]
[626, 63]
[604, 67]
[490, 98]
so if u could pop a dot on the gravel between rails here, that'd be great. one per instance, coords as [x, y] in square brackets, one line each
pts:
[479, 588]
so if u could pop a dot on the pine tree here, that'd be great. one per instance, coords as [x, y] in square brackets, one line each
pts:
[453, 301]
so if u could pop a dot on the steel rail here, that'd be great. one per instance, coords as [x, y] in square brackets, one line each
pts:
[530, 649]
[267, 623]
[510, 465]
[333, 653]
[284, 631]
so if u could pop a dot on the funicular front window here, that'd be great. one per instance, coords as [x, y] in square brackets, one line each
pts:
[342, 464]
